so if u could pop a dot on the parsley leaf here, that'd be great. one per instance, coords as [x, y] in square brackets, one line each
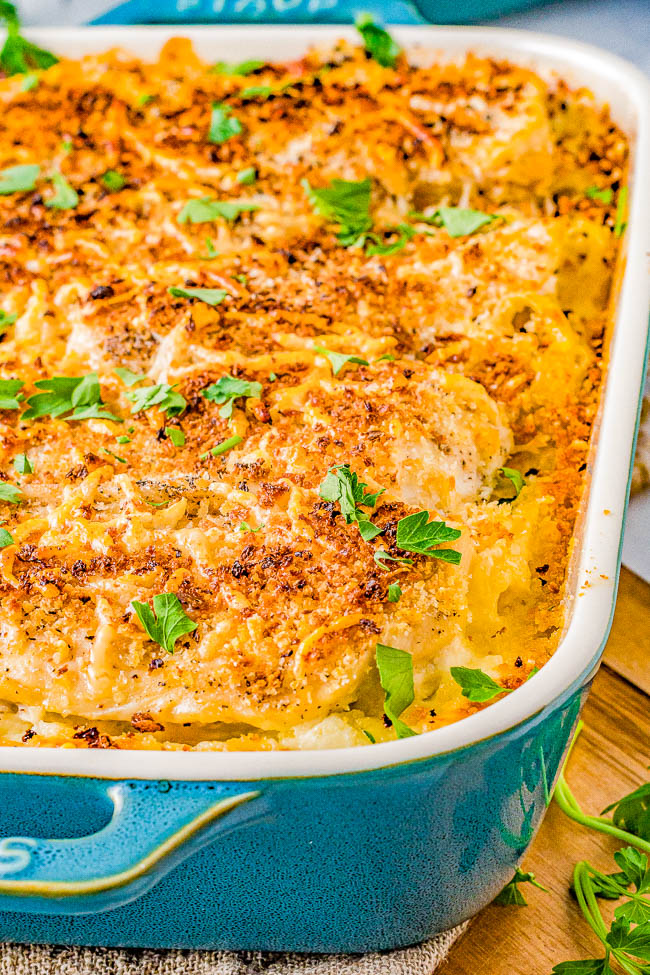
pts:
[603, 196]
[245, 527]
[405, 233]
[19, 179]
[632, 812]
[211, 296]
[378, 42]
[10, 396]
[346, 202]
[6, 538]
[343, 485]
[243, 69]
[31, 81]
[590, 966]
[223, 124]
[166, 622]
[475, 685]
[511, 893]
[247, 176]
[6, 319]
[113, 181]
[129, 378]
[176, 436]
[396, 677]
[205, 210]
[382, 557]
[621, 209]
[256, 91]
[79, 396]
[65, 198]
[416, 533]
[457, 221]
[222, 447]
[339, 359]
[394, 592]
[22, 464]
[227, 389]
[517, 481]
[10, 493]
[18, 55]
[163, 396]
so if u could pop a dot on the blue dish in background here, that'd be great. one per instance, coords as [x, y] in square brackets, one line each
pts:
[355, 849]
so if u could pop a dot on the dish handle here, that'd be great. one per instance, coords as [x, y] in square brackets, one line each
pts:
[153, 827]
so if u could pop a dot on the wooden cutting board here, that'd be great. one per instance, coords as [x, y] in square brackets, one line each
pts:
[611, 758]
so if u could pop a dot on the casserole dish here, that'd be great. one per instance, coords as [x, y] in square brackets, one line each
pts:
[370, 848]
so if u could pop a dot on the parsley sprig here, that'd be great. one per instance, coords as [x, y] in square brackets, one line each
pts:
[163, 396]
[211, 296]
[378, 42]
[18, 55]
[626, 942]
[416, 533]
[166, 622]
[227, 389]
[70, 398]
[511, 894]
[339, 359]
[476, 685]
[10, 395]
[342, 485]
[205, 210]
[346, 202]
[396, 677]
[457, 221]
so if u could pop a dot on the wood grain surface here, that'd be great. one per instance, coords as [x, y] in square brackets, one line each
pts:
[611, 758]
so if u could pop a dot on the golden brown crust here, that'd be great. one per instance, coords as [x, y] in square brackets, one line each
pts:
[494, 343]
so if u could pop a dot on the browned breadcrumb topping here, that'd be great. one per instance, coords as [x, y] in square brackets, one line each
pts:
[483, 351]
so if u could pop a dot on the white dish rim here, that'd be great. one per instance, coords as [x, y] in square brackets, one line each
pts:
[597, 572]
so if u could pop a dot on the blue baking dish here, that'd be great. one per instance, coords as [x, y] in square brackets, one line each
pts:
[349, 849]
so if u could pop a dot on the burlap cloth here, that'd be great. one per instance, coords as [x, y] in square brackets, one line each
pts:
[46, 960]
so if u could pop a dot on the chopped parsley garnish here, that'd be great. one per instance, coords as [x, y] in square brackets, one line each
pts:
[78, 396]
[416, 533]
[144, 100]
[517, 481]
[404, 231]
[394, 592]
[247, 176]
[66, 146]
[339, 359]
[381, 557]
[129, 378]
[211, 296]
[256, 91]
[166, 622]
[123, 439]
[227, 389]
[378, 42]
[343, 485]
[163, 396]
[10, 493]
[110, 453]
[243, 68]
[212, 251]
[65, 198]
[223, 124]
[346, 202]
[205, 210]
[603, 196]
[621, 207]
[23, 464]
[6, 538]
[31, 81]
[511, 893]
[476, 685]
[176, 436]
[245, 527]
[18, 55]
[113, 181]
[19, 179]
[396, 677]
[222, 448]
[10, 395]
[457, 221]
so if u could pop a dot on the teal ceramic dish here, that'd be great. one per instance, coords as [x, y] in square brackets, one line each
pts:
[350, 849]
